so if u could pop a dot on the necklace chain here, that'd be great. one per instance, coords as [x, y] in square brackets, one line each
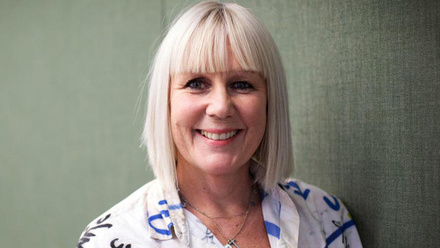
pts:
[231, 241]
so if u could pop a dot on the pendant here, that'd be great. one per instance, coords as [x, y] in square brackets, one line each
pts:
[230, 243]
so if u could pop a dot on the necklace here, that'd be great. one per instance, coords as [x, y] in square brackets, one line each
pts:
[231, 242]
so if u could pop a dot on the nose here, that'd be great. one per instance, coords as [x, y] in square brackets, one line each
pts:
[220, 103]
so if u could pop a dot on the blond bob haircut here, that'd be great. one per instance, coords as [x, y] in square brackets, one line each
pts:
[198, 41]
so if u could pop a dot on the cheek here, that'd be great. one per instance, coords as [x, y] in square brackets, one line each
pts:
[183, 113]
[179, 122]
[254, 113]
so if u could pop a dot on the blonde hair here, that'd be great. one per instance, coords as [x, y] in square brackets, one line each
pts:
[198, 41]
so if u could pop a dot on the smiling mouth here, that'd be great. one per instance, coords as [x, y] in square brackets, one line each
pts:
[218, 136]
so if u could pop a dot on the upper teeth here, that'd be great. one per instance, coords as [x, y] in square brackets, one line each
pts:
[218, 136]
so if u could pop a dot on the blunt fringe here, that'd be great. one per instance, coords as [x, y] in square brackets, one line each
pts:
[197, 41]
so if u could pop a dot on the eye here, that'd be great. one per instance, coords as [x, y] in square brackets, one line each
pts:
[196, 84]
[242, 86]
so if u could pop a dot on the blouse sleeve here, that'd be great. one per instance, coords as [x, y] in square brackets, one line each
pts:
[103, 232]
[336, 224]
[93, 235]
[336, 221]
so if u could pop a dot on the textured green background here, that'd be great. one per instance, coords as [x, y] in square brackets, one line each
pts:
[363, 82]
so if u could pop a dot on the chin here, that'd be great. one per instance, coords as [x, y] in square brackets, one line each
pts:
[219, 168]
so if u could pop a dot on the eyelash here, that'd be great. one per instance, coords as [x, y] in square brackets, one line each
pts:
[199, 84]
[191, 84]
[242, 86]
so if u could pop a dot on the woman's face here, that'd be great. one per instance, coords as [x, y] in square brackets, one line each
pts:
[217, 119]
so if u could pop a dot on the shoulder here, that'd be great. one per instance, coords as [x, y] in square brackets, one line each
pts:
[122, 225]
[323, 210]
[315, 198]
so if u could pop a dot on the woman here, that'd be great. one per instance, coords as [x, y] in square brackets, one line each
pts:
[218, 137]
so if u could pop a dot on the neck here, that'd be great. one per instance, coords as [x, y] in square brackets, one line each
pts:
[224, 194]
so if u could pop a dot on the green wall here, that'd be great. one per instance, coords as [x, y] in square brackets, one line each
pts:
[363, 82]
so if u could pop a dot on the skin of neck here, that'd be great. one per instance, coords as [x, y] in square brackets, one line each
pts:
[213, 193]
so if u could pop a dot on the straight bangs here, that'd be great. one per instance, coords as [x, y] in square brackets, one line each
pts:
[206, 47]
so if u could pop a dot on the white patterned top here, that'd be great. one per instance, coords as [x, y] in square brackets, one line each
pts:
[296, 214]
